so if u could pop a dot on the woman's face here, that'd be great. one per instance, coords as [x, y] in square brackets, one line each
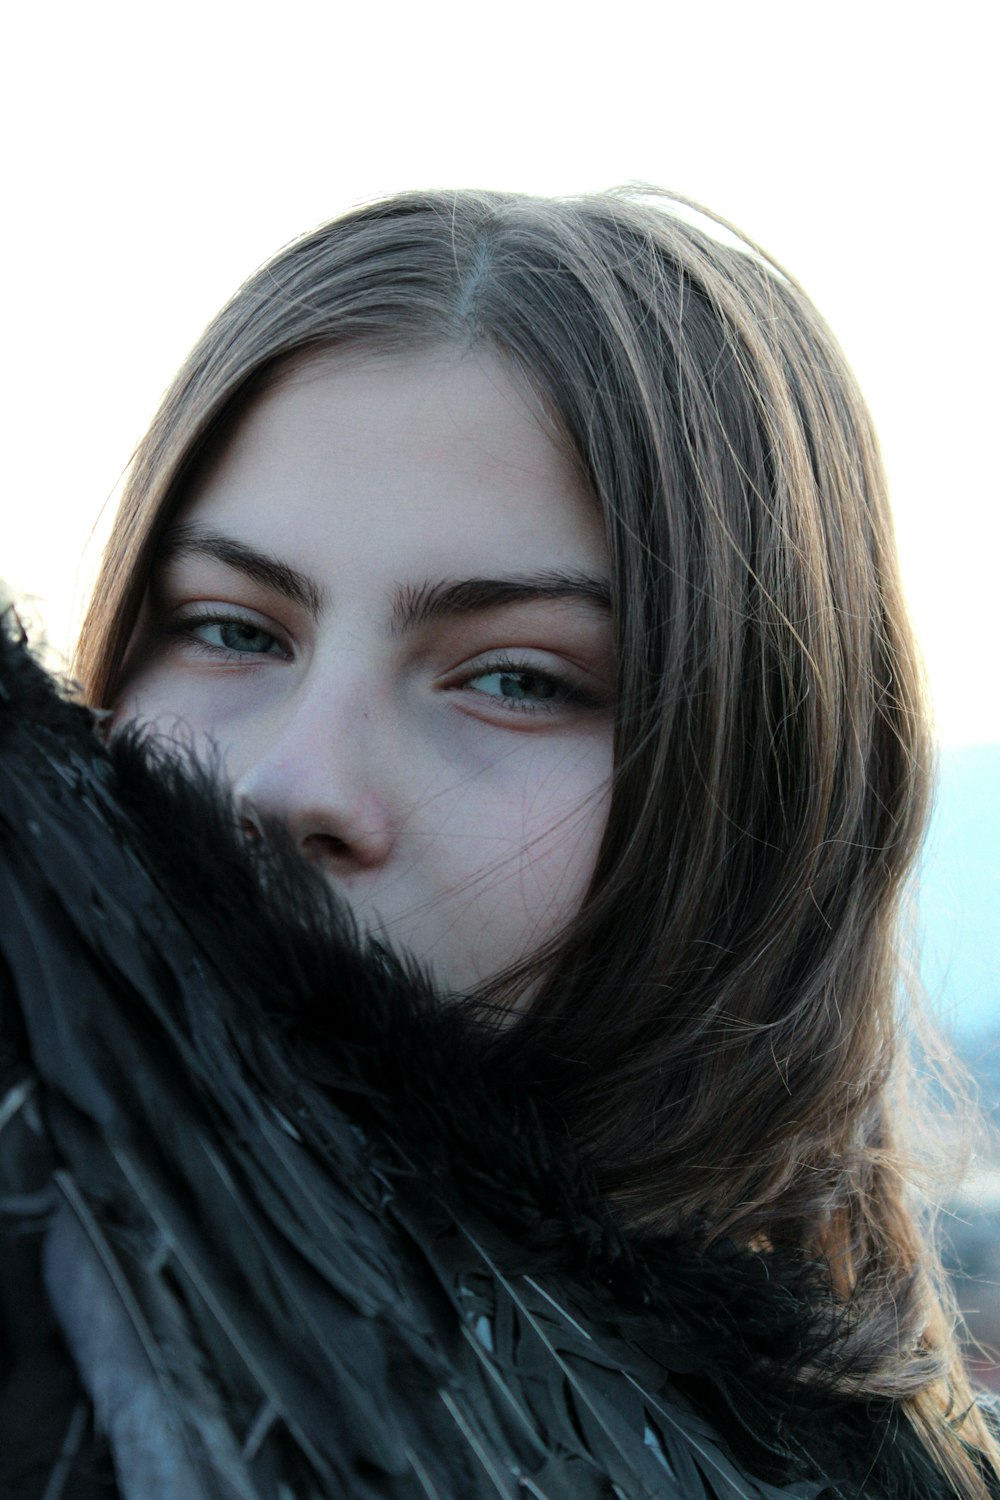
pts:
[386, 605]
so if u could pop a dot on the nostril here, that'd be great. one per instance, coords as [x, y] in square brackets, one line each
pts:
[320, 848]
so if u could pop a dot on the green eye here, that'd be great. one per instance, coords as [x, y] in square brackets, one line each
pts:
[523, 688]
[225, 635]
[235, 635]
[521, 685]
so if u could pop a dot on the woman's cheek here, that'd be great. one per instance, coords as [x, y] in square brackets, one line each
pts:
[181, 705]
[527, 851]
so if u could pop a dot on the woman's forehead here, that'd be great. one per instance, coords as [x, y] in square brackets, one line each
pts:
[439, 455]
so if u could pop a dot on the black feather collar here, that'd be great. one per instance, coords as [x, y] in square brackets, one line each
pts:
[255, 1003]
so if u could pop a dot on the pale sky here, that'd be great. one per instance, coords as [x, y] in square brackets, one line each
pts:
[157, 155]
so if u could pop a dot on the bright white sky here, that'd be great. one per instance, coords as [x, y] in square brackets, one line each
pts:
[157, 154]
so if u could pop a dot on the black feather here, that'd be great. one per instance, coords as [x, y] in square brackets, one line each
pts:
[275, 1225]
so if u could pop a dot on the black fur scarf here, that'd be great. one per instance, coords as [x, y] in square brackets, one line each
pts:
[275, 1225]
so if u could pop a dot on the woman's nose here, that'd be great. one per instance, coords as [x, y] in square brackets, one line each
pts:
[319, 776]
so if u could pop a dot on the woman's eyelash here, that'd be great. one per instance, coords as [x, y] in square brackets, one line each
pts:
[557, 691]
[521, 686]
[185, 627]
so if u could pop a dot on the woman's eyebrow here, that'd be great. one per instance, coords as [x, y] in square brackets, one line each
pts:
[188, 539]
[412, 606]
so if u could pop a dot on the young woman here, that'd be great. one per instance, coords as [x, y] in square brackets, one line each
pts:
[526, 566]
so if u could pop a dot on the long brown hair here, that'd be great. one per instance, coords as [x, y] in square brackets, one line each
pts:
[728, 995]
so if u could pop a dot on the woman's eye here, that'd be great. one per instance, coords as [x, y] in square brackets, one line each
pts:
[531, 687]
[527, 690]
[230, 635]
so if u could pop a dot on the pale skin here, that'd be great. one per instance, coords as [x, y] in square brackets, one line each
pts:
[442, 753]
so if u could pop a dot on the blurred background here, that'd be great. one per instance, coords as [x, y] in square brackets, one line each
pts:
[156, 155]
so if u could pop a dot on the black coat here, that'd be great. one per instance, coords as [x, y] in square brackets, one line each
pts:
[270, 1226]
